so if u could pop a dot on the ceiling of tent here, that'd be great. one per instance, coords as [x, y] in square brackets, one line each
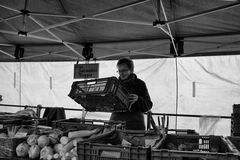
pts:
[57, 30]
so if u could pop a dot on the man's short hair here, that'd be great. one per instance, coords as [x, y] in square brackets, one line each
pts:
[126, 61]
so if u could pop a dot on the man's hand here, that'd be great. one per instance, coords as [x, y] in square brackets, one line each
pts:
[132, 99]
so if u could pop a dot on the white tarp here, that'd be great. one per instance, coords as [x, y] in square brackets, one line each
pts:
[207, 86]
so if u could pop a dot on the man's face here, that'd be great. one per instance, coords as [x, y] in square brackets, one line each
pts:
[123, 71]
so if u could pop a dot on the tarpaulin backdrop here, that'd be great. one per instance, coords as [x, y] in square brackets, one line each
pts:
[206, 85]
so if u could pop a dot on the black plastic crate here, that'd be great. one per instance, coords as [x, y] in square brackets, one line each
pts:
[104, 150]
[236, 108]
[103, 95]
[91, 151]
[193, 147]
[235, 141]
[76, 123]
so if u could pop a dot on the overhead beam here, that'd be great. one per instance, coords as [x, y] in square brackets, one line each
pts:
[64, 56]
[51, 15]
[7, 23]
[7, 45]
[151, 54]
[10, 17]
[203, 42]
[6, 53]
[10, 8]
[8, 32]
[203, 13]
[51, 33]
[112, 55]
[120, 21]
[92, 15]
[35, 56]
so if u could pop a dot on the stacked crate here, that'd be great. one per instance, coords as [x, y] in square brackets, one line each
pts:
[235, 120]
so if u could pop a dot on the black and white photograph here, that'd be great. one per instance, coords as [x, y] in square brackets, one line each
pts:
[119, 79]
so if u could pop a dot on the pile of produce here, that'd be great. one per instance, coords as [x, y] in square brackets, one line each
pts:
[55, 145]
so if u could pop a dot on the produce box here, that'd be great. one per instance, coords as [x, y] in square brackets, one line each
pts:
[123, 145]
[8, 146]
[193, 147]
[76, 123]
[236, 142]
[103, 95]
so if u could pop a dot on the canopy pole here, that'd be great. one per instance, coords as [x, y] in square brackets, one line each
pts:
[10, 17]
[151, 54]
[177, 92]
[10, 25]
[169, 29]
[29, 57]
[54, 35]
[6, 53]
[9, 8]
[120, 21]
[51, 15]
[65, 56]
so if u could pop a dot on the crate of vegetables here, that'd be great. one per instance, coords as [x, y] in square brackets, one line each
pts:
[104, 95]
[9, 140]
[76, 123]
[122, 145]
[194, 147]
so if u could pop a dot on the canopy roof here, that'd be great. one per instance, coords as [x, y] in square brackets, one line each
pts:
[57, 30]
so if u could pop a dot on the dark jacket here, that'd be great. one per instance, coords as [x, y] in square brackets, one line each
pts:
[134, 118]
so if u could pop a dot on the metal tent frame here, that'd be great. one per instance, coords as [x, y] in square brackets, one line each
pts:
[163, 25]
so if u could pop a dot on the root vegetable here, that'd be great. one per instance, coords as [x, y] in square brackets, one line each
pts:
[49, 157]
[45, 152]
[74, 158]
[83, 133]
[56, 156]
[32, 139]
[64, 140]
[53, 138]
[71, 145]
[58, 148]
[22, 149]
[65, 158]
[76, 141]
[34, 152]
[74, 152]
[43, 141]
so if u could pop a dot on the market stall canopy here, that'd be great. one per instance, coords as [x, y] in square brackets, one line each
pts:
[58, 30]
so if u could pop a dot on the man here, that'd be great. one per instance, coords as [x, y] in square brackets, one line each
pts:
[139, 98]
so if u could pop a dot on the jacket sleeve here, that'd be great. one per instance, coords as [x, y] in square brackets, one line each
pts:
[144, 102]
